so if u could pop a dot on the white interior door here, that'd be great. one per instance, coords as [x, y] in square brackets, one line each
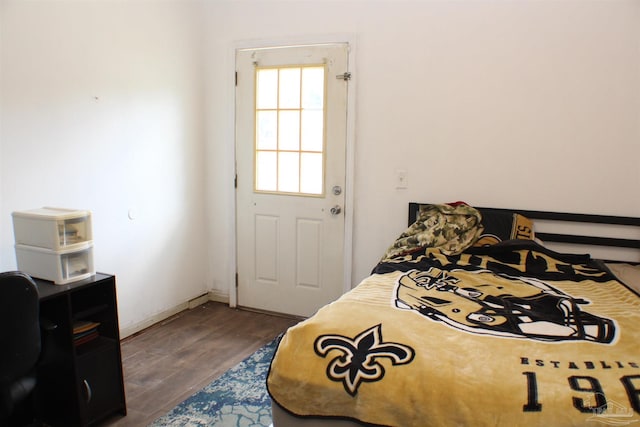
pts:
[291, 116]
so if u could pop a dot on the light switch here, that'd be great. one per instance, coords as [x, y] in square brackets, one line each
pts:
[401, 179]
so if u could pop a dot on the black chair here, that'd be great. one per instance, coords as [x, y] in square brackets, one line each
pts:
[21, 345]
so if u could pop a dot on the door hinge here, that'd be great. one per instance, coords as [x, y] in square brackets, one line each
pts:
[236, 78]
[344, 76]
[236, 280]
[235, 181]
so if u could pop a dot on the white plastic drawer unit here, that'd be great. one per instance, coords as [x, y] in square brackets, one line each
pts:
[60, 267]
[52, 228]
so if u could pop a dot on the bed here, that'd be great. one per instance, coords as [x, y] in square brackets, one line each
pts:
[474, 317]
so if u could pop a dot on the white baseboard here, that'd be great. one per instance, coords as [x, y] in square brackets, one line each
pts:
[163, 315]
[158, 317]
[219, 296]
[193, 303]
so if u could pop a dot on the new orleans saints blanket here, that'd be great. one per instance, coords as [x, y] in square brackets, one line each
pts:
[508, 335]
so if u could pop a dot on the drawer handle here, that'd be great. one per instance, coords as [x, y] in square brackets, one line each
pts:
[87, 388]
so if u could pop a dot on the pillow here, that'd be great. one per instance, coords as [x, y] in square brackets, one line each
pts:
[500, 226]
[451, 228]
[628, 274]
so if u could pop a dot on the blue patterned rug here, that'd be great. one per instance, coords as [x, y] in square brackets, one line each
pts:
[238, 398]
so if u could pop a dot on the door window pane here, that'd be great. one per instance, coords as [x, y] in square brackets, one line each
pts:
[267, 89]
[289, 126]
[267, 130]
[313, 87]
[312, 136]
[310, 172]
[290, 130]
[288, 172]
[266, 171]
[289, 88]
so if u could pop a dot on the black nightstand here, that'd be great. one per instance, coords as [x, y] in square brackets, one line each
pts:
[80, 382]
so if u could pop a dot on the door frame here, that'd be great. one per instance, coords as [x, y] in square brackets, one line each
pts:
[349, 39]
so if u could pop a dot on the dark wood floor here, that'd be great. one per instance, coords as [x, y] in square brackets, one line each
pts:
[168, 362]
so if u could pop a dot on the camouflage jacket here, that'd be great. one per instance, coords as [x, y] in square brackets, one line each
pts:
[452, 229]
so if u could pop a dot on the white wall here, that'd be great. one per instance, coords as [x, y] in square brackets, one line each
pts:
[527, 104]
[102, 109]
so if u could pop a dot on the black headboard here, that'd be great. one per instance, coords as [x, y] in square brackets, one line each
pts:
[561, 217]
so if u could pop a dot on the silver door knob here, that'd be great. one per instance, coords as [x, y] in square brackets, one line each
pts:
[335, 210]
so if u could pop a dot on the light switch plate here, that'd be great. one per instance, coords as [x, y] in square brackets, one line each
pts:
[401, 179]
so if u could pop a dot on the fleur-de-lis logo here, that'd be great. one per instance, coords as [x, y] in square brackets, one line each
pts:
[358, 362]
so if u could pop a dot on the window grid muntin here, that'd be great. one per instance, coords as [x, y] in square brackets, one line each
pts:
[300, 152]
